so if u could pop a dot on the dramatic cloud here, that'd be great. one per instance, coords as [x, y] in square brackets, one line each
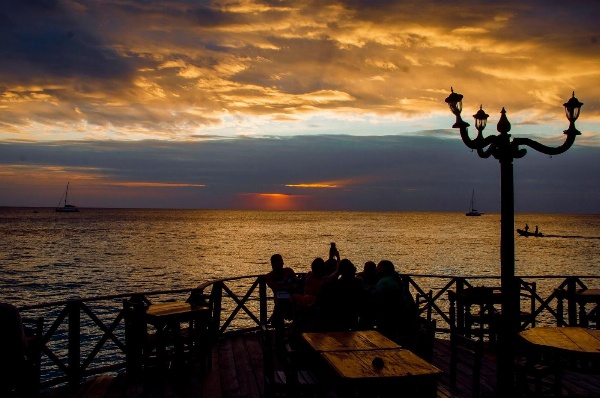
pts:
[92, 90]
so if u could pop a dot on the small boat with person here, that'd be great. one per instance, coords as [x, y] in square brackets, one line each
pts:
[525, 231]
[66, 207]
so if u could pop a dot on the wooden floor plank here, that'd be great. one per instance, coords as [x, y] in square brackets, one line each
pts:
[256, 359]
[246, 377]
[211, 383]
[237, 372]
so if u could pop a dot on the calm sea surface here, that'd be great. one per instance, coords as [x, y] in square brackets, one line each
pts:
[47, 256]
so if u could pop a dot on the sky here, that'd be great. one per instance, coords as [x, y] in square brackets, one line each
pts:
[294, 105]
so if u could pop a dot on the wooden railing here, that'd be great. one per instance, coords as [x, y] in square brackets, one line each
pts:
[548, 306]
[86, 336]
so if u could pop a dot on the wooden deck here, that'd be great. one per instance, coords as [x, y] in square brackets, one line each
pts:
[237, 372]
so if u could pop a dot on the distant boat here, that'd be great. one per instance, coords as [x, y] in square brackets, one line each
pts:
[66, 207]
[522, 232]
[472, 210]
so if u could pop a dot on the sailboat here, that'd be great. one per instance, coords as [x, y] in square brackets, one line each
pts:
[472, 210]
[66, 208]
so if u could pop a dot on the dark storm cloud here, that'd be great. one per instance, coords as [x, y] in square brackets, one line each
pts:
[41, 40]
[375, 173]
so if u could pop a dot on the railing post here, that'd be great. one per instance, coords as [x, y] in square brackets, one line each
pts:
[533, 286]
[135, 337]
[571, 304]
[560, 311]
[452, 311]
[74, 348]
[262, 293]
[217, 296]
[460, 309]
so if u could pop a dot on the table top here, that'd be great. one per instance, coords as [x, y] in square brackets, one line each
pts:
[584, 295]
[348, 341]
[590, 294]
[174, 310]
[477, 295]
[397, 363]
[571, 339]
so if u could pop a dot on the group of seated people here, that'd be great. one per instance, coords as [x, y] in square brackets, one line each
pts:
[334, 297]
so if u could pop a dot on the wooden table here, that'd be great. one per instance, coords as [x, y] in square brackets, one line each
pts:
[346, 341]
[167, 317]
[567, 347]
[399, 369]
[473, 312]
[588, 295]
[567, 339]
[174, 311]
[349, 356]
[583, 297]
[579, 298]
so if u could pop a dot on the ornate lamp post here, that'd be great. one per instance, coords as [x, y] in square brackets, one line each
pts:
[504, 149]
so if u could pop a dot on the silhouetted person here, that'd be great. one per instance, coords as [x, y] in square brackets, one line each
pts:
[317, 277]
[368, 275]
[340, 300]
[333, 251]
[332, 261]
[395, 308]
[369, 278]
[536, 229]
[13, 346]
[305, 303]
[282, 281]
[526, 227]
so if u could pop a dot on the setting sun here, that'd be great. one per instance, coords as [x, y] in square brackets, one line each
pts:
[271, 201]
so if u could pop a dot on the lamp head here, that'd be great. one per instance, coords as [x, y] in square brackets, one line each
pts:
[572, 109]
[454, 101]
[480, 119]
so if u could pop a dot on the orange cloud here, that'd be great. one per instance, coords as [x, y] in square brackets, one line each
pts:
[330, 184]
[314, 185]
[91, 176]
[133, 184]
[49, 173]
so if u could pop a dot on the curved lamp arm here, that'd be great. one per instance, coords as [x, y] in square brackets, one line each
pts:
[491, 150]
[541, 147]
[479, 142]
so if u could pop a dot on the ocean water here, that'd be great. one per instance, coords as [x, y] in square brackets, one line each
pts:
[47, 256]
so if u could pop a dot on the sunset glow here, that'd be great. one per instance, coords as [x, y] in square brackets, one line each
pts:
[314, 185]
[271, 201]
[154, 184]
[182, 94]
